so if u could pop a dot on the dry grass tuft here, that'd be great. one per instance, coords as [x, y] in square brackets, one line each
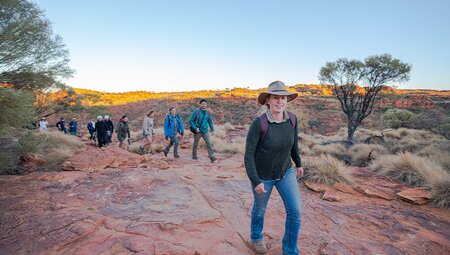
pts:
[359, 153]
[437, 153]
[227, 126]
[410, 168]
[441, 194]
[334, 149]
[326, 169]
[234, 146]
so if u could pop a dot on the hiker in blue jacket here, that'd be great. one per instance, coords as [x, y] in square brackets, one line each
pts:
[173, 130]
[199, 122]
[272, 141]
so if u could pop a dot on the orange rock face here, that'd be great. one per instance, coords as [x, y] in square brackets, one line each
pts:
[111, 204]
[418, 196]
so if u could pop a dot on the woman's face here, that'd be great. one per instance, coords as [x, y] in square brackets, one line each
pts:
[173, 111]
[276, 103]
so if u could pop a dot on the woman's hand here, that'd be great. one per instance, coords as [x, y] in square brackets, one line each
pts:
[299, 172]
[260, 188]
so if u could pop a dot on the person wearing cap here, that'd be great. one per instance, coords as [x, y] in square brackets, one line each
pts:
[173, 130]
[123, 130]
[43, 123]
[73, 125]
[61, 125]
[110, 129]
[268, 164]
[199, 122]
[100, 131]
[148, 132]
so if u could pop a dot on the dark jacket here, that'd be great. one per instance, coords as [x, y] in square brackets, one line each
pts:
[109, 125]
[61, 125]
[73, 125]
[100, 128]
[123, 130]
[270, 158]
[90, 126]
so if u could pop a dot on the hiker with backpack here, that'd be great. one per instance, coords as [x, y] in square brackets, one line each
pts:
[43, 123]
[148, 132]
[123, 130]
[61, 125]
[173, 130]
[272, 141]
[199, 122]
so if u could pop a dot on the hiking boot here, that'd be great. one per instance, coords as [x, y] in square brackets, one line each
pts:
[259, 247]
[213, 159]
[176, 156]
[194, 157]
[165, 154]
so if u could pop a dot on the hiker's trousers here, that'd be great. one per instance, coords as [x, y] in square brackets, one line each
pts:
[290, 194]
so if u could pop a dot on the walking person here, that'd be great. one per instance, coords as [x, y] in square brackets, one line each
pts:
[61, 125]
[173, 130]
[110, 129]
[91, 129]
[43, 123]
[148, 132]
[272, 141]
[123, 130]
[100, 131]
[199, 122]
[73, 126]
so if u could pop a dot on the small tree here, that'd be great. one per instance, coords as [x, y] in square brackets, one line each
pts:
[32, 57]
[357, 84]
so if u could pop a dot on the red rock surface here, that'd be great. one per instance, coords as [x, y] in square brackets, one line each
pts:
[195, 207]
[418, 196]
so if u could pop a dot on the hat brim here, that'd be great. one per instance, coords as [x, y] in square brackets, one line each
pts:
[290, 96]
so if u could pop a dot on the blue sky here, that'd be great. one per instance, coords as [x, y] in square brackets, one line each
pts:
[192, 45]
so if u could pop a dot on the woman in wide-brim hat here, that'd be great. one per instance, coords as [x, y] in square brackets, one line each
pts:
[270, 145]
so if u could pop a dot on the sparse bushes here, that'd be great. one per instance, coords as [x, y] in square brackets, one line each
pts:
[16, 109]
[409, 168]
[326, 169]
[361, 153]
[396, 118]
[313, 123]
[334, 149]
[234, 146]
[441, 194]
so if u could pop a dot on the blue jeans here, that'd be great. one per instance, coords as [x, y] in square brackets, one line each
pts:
[174, 142]
[290, 194]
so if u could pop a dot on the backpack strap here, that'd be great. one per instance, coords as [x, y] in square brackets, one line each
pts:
[196, 115]
[293, 119]
[264, 124]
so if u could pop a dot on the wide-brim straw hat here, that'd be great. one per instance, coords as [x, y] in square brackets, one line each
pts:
[276, 88]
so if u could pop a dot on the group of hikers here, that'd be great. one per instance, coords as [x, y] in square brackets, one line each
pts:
[271, 147]
[72, 127]
[200, 124]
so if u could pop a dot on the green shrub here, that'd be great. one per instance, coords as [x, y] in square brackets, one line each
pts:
[16, 109]
[313, 123]
[396, 118]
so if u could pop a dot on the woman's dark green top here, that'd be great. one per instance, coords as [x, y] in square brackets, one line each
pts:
[270, 158]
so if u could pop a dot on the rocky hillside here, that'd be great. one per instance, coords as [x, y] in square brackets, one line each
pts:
[115, 202]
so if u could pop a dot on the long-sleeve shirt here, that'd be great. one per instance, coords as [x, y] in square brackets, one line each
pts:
[147, 126]
[270, 158]
[202, 122]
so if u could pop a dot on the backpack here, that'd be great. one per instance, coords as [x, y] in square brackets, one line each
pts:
[264, 124]
[192, 129]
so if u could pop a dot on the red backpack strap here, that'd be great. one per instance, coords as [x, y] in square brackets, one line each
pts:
[263, 126]
[196, 115]
[293, 119]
